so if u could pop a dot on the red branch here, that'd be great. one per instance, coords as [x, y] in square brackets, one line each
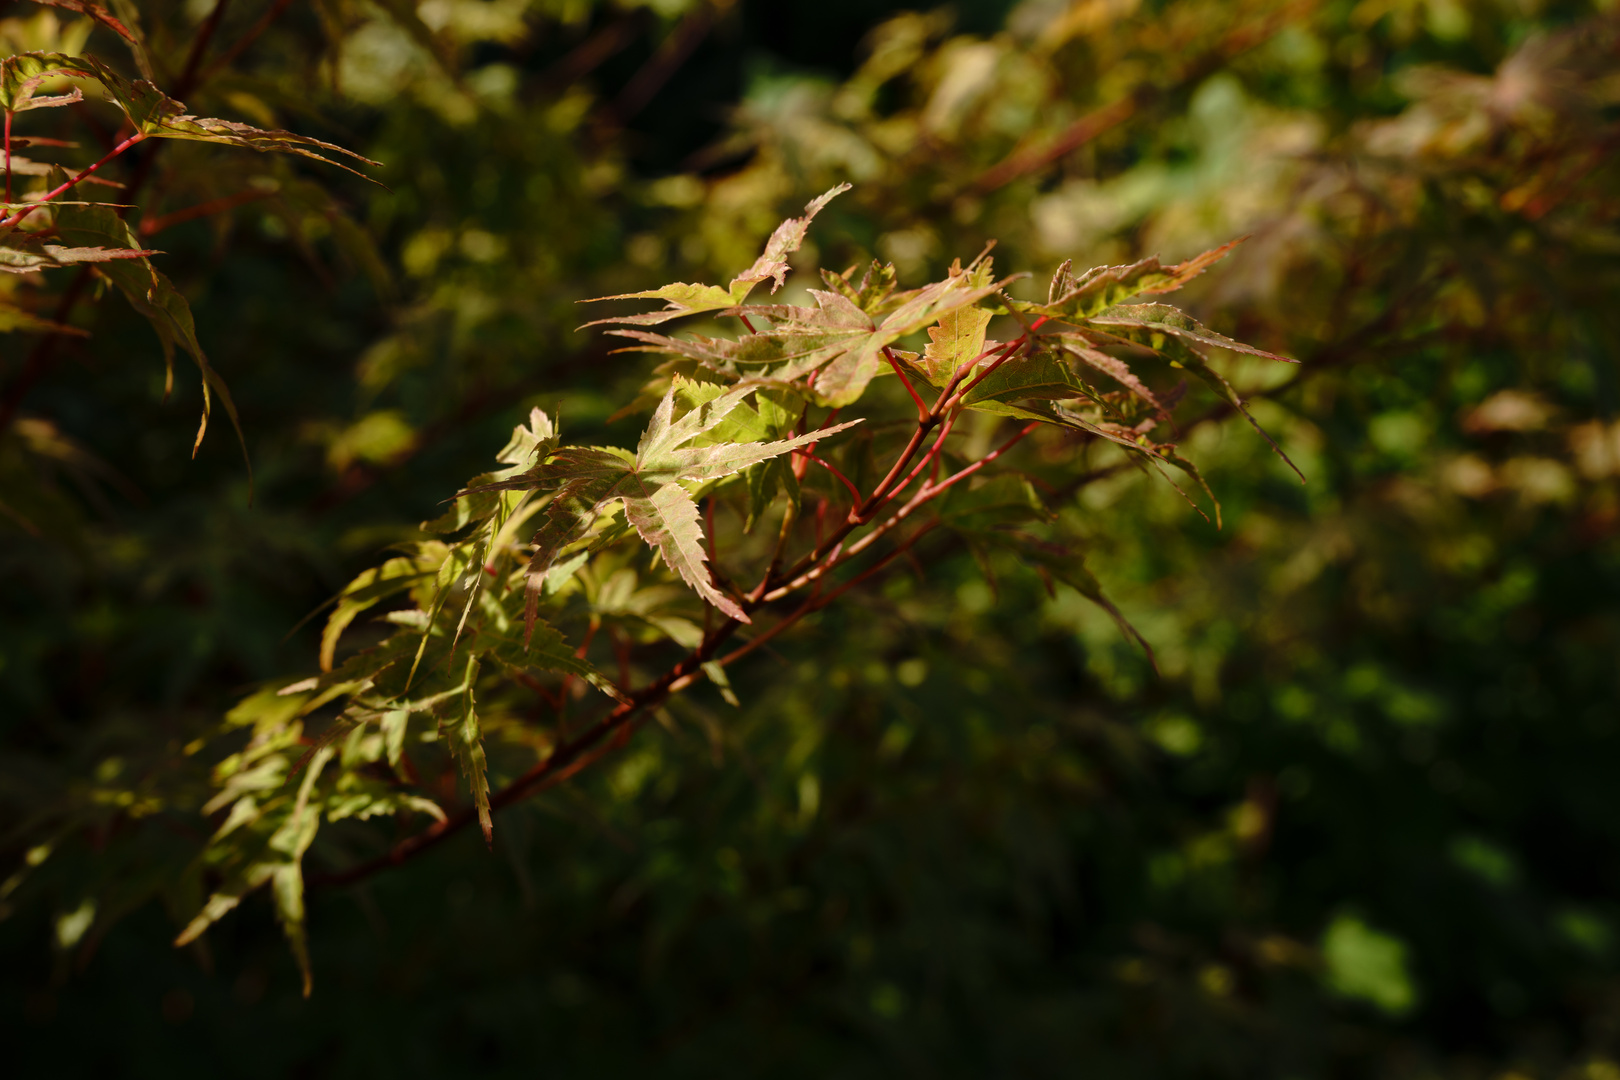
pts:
[69, 184]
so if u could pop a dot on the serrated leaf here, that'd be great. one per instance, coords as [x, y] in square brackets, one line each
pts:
[466, 740]
[394, 576]
[1040, 374]
[22, 74]
[785, 240]
[1119, 371]
[683, 299]
[872, 295]
[1165, 319]
[845, 348]
[155, 115]
[667, 519]
[957, 340]
[255, 847]
[587, 479]
[1173, 333]
[1104, 286]
[24, 254]
[154, 296]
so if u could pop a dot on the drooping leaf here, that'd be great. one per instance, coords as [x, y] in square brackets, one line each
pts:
[271, 847]
[1176, 335]
[1067, 564]
[466, 740]
[1119, 371]
[154, 296]
[1164, 319]
[1038, 374]
[155, 115]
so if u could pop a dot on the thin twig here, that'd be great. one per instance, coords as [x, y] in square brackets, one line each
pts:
[68, 185]
[199, 46]
[242, 43]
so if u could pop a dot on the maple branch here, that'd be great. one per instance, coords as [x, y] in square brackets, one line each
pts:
[247, 39]
[962, 474]
[199, 46]
[572, 755]
[671, 53]
[1028, 159]
[153, 226]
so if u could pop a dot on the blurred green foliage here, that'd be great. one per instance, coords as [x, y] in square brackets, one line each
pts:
[1359, 825]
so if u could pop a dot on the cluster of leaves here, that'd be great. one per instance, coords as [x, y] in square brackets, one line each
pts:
[1381, 724]
[728, 410]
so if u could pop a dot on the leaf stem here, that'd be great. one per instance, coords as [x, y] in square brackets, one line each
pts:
[854, 492]
[9, 115]
[922, 410]
[139, 136]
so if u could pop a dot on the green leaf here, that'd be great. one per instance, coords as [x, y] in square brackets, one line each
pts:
[22, 74]
[873, 294]
[681, 299]
[256, 846]
[466, 741]
[1039, 374]
[1118, 370]
[1067, 564]
[772, 263]
[1165, 319]
[1172, 332]
[957, 340]
[1077, 299]
[667, 519]
[394, 576]
[158, 116]
[685, 299]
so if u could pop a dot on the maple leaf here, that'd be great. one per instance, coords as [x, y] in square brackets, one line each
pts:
[1079, 298]
[687, 299]
[845, 344]
[1177, 335]
[152, 294]
[22, 74]
[649, 483]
